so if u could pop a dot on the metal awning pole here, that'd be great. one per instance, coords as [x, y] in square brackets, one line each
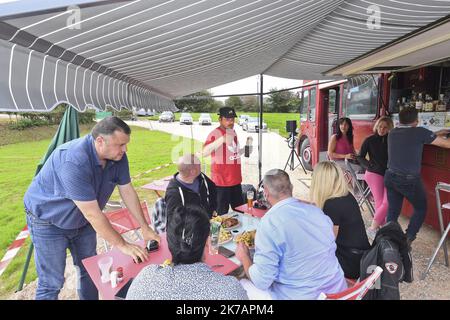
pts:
[260, 126]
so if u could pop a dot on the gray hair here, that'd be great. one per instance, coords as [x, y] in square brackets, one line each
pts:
[108, 126]
[278, 183]
[187, 162]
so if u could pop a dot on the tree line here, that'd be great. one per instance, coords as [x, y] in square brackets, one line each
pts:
[275, 101]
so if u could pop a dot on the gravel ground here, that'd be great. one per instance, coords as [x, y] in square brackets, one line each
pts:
[436, 285]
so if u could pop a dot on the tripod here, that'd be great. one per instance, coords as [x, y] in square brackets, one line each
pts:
[293, 155]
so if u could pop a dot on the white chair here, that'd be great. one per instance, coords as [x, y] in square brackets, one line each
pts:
[441, 186]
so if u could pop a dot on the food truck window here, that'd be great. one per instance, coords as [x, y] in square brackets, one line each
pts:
[361, 97]
[312, 106]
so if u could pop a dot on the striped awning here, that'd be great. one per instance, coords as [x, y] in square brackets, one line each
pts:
[144, 53]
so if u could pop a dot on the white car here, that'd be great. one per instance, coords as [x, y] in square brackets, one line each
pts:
[167, 116]
[141, 112]
[252, 125]
[186, 118]
[242, 119]
[204, 119]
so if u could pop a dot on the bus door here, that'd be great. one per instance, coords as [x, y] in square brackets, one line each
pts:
[328, 115]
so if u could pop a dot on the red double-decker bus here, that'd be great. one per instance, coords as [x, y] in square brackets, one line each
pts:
[323, 103]
[365, 98]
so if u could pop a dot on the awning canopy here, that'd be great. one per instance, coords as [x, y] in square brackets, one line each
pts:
[144, 53]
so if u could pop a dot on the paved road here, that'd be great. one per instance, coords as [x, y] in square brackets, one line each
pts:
[275, 150]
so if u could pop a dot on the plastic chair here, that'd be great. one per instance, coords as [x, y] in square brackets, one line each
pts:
[361, 193]
[441, 186]
[358, 291]
[123, 221]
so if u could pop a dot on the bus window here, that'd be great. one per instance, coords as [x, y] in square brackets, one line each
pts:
[304, 105]
[312, 106]
[360, 100]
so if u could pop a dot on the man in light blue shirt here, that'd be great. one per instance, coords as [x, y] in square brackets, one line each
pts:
[294, 248]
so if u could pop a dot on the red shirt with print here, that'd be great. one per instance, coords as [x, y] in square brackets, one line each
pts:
[225, 161]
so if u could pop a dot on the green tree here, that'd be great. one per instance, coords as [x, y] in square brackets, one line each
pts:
[234, 102]
[280, 101]
[250, 103]
[198, 102]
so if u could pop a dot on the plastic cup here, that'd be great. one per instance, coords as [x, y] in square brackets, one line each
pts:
[105, 265]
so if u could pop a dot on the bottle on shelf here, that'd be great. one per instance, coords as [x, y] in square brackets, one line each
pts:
[428, 106]
[441, 104]
[419, 102]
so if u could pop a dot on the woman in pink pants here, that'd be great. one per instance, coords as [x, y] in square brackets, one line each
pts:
[376, 147]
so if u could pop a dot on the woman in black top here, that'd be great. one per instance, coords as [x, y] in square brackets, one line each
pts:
[329, 191]
[377, 148]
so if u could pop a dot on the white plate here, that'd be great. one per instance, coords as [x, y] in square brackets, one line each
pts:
[225, 242]
[233, 227]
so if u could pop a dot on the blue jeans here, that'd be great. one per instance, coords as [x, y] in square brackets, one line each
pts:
[399, 186]
[51, 244]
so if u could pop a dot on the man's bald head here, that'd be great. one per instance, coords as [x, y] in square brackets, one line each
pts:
[189, 166]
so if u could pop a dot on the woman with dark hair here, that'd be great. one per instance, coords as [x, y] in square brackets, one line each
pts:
[187, 277]
[341, 147]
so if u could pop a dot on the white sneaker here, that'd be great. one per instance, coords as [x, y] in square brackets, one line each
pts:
[371, 233]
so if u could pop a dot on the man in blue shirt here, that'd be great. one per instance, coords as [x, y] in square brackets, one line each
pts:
[65, 200]
[294, 248]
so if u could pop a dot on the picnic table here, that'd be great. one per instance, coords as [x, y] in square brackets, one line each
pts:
[158, 185]
[217, 262]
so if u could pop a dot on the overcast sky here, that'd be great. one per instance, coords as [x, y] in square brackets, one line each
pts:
[251, 85]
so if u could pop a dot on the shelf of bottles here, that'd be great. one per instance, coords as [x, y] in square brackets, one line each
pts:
[433, 114]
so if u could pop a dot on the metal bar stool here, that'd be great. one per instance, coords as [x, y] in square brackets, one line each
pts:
[364, 193]
[441, 186]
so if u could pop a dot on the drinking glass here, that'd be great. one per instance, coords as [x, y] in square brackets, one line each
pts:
[250, 196]
[214, 232]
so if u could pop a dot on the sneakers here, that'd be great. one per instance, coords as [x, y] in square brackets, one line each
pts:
[371, 233]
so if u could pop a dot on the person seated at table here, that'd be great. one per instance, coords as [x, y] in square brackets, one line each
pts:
[329, 191]
[189, 186]
[187, 277]
[294, 248]
[341, 146]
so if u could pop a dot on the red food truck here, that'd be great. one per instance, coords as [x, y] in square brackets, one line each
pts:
[366, 97]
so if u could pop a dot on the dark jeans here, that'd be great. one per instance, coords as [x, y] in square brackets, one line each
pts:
[51, 244]
[399, 186]
[227, 196]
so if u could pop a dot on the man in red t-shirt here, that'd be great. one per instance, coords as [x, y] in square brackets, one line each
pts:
[223, 146]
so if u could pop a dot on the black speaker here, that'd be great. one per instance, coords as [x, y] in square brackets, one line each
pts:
[291, 126]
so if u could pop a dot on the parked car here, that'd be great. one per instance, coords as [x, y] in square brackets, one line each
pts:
[252, 125]
[204, 119]
[186, 118]
[242, 119]
[150, 113]
[141, 112]
[167, 116]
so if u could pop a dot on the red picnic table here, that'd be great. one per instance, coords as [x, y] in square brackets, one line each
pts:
[131, 269]
[258, 213]
[158, 185]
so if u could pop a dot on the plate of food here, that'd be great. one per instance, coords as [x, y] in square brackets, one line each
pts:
[229, 223]
[247, 237]
[225, 236]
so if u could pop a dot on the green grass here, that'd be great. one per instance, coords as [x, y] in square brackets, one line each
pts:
[147, 150]
[276, 122]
